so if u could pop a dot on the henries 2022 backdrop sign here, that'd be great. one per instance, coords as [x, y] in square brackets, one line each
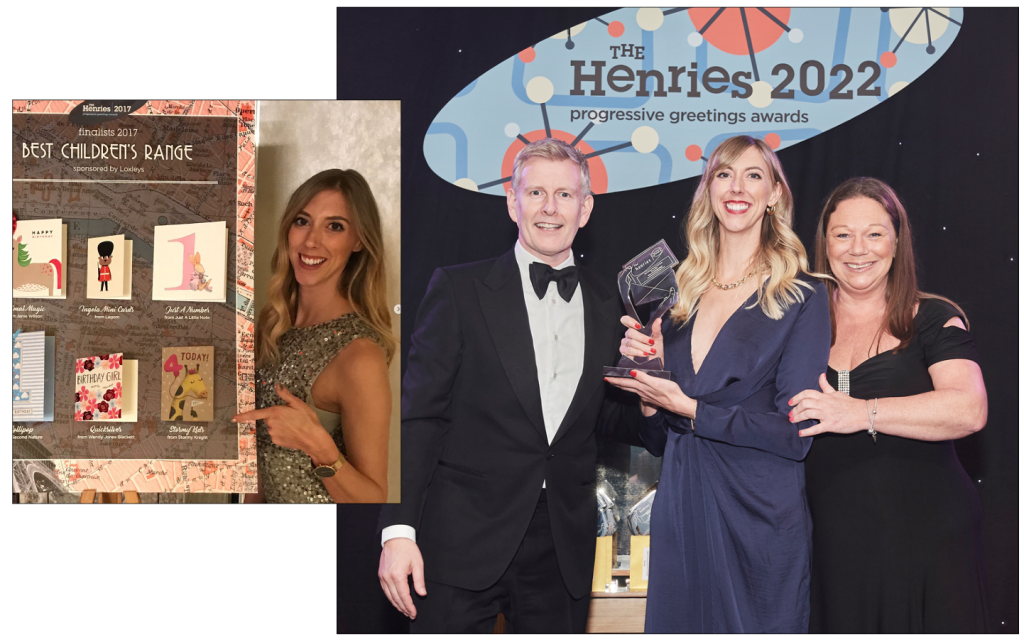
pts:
[649, 93]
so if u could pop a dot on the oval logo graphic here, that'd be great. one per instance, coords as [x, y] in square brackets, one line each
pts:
[648, 94]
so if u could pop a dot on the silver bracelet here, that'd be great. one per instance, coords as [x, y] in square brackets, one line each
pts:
[871, 418]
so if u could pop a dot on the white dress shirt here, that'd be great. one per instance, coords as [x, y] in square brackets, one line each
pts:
[557, 329]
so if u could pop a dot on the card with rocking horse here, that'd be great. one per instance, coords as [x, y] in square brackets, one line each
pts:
[190, 262]
[40, 248]
[106, 388]
[187, 390]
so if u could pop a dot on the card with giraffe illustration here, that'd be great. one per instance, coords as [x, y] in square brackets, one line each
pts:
[190, 262]
[106, 388]
[40, 254]
[187, 390]
[109, 268]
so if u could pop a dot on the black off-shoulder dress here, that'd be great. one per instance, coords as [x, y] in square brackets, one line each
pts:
[897, 523]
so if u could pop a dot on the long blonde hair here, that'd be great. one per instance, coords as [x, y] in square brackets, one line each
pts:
[363, 281]
[780, 248]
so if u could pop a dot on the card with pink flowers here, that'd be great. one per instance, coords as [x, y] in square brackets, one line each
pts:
[105, 388]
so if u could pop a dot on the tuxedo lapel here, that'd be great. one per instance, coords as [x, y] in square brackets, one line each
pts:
[598, 307]
[501, 301]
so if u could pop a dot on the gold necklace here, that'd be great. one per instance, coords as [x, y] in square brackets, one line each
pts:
[730, 286]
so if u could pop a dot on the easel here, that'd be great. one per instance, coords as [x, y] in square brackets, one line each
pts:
[127, 497]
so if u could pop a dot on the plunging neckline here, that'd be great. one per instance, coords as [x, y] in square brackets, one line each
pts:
[889, 351]
[693, 324]
[874, 356]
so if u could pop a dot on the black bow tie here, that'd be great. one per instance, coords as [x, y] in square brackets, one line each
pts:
[567, 279]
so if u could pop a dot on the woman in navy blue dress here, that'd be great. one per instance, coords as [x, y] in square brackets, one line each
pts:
[730, 527]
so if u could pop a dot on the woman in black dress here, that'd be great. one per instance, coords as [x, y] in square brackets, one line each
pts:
[897, 521]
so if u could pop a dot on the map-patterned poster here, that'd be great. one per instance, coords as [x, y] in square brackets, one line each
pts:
[107, 168]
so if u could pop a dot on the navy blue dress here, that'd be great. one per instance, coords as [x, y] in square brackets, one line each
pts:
[730, 526]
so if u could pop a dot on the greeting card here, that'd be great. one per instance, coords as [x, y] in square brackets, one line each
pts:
[109, 268]
[187, 391]
[105, 388]
[32, 376]
[190, 262]
[40, 253]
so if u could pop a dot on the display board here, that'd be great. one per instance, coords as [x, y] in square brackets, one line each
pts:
[133, 251]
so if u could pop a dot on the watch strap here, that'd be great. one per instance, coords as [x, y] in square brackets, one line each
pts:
[329, 470]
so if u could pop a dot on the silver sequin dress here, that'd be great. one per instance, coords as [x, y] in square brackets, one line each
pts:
[287, 474]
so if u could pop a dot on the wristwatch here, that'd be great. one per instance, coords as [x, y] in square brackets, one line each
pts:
[328, 471]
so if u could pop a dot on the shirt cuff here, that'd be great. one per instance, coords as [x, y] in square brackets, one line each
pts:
[398, 530]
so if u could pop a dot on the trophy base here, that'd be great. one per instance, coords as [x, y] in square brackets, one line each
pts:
[614, 371]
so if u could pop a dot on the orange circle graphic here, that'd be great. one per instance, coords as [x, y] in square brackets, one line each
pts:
[598, 173]
[726, 32]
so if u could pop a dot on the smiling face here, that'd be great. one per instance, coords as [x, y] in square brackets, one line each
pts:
[549, 208]
[321, 239]
[861, 245]
[741, 191]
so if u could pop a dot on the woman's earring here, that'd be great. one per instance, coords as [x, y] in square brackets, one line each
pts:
[770, 210]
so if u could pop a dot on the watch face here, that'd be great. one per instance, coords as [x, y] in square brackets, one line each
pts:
[323, 471]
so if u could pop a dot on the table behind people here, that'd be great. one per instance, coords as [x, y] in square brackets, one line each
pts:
[897, 522]
[500, 400]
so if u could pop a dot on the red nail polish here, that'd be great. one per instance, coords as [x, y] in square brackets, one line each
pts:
[790, 414]
[791, 402]
[650, 341]
[646, 355]
[654, 351]
[632, 373]
[638, 326]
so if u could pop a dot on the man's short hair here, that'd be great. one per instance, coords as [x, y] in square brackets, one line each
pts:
[552, 149]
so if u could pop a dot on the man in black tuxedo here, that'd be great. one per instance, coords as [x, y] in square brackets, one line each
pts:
[500, 400]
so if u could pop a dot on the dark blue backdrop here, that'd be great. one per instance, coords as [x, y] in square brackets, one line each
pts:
[948, 144]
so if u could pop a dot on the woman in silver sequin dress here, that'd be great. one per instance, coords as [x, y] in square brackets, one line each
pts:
[323, 343]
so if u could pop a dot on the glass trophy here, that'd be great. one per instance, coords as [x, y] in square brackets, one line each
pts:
[647, 278]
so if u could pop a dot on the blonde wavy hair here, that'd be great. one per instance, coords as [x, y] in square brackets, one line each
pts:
[363, 281]
[780, 248]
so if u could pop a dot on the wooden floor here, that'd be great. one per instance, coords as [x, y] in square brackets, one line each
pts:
[617, 612]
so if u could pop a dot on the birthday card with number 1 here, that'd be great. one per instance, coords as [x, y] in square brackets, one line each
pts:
[190, 262]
